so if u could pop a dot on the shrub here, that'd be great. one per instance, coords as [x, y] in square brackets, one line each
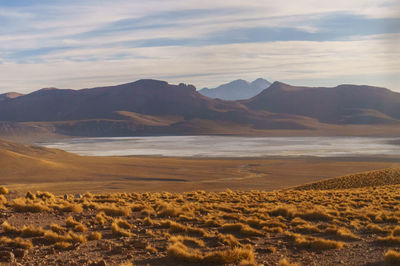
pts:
[21, 205]
[390, 240]
[392, 257]
[123, 224]
[285, 262]
[118, 231]
[342, 232]
[113, 210]
[30, 195]
[229, 240]
[57, 228]
[45, 195]
[9, 229]
[229, 256]
[187, 241]
[178, 251]
[3, 190]
[241, 228]
[374, 228]
[94, 236]
[62, 245]
[318, 215]
[16, 242]
[314, 242]
[151, 249]
[30, 231]
[396, 231]
[53, 237]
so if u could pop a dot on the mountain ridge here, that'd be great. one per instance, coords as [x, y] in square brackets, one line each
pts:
[236, 90]
[154, 107]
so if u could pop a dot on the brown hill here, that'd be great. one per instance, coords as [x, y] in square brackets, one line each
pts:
[141, 107]
[152, 107]
[27, 167]
[344, 104]
[384, 177]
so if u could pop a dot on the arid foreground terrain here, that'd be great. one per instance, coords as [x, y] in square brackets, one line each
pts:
[352, 220]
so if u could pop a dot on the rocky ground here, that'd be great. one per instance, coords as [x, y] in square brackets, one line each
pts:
[347, 226]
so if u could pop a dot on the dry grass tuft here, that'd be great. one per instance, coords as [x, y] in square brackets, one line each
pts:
[179, 252]
[9, 229]
[31, 231]
[285, 262]
[94, 236]
[190, 241]
[342, 232]
[151, 249]
[57, 228]
[374, 228]
[25, 205]
[63, 245]
[118, 231]
[113, 210]
[314, 243]
[123, 224]
[389, 240]
[392, 257]
[241, 228]
[3, 190]
[229, 240]
[16, 242]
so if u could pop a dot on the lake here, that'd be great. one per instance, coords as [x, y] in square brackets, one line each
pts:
[228, 146]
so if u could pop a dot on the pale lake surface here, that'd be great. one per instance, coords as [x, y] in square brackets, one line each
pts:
[227, 146]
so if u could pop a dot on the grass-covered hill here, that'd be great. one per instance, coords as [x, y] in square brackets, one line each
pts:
[288, 227]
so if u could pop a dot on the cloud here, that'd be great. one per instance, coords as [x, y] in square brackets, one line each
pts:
[75, 44]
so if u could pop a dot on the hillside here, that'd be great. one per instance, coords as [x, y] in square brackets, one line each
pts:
[316, 227]
[152, 107]
[344, 104]
[237, 89]
[367, 179]
[141, 107]
[9, 95]
[27, 167]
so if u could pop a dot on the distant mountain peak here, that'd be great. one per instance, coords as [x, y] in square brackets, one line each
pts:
[239, 89]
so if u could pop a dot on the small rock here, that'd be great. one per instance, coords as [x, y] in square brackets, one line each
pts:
[7, 256]
[77, 196]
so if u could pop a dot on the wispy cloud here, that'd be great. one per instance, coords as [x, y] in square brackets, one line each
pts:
[75, 44]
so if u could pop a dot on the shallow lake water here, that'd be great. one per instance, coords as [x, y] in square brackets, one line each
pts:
[227, 146]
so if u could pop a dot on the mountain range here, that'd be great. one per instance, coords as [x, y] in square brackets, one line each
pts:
[153, 107]
[237, 90]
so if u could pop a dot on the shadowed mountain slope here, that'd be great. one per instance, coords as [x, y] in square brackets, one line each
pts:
[9, 95]
[141, 107]
[344, 104]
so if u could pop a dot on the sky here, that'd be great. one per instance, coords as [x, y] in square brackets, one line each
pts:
[86, 43]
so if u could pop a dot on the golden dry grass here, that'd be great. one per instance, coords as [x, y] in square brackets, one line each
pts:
[367, 179]
[239, 227]
[392, 257]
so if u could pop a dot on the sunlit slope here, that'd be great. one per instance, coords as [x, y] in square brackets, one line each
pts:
[25, 167]
[383, 177]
